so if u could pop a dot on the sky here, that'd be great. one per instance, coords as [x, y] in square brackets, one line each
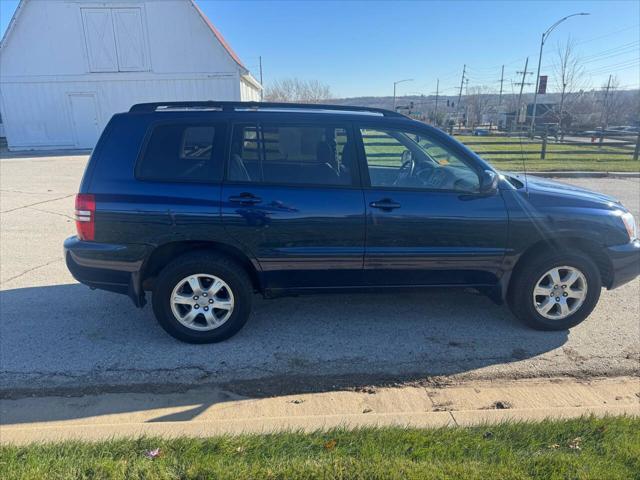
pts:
[362, 48]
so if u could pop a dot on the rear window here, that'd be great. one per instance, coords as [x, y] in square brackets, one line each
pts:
[183, 153]
[290, 154]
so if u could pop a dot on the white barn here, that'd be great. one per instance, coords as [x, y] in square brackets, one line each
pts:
[67, 66]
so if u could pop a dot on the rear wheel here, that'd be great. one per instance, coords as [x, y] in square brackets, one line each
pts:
[202, 298]
[555, 291]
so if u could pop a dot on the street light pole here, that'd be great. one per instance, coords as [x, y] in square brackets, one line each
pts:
[545, 35]
[394, 90]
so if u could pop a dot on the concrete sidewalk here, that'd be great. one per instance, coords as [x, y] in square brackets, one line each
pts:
[215, 412]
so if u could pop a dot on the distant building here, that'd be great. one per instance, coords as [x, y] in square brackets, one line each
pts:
[546, 114]
[67, 66]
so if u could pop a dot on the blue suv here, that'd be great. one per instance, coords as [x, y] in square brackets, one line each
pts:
[205, 203]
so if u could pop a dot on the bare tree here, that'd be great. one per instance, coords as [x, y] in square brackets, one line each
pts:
[568, 78]
[478, 101]
[617, 108]
[297, 90]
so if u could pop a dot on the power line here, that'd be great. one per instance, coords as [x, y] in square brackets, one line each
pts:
[615, 67]
[605, 54]
[611, 56]
[614, 49]
[615, 32]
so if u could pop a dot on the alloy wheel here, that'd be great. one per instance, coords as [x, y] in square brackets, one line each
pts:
[202, 302]
[560, 292]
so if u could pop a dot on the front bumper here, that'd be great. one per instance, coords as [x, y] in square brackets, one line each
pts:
[625, 263]
[107, 266]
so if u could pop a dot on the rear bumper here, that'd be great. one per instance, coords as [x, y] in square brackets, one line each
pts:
[625, 263]
[107, 266]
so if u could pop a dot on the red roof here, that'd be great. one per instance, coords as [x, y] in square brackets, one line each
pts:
[218, 35]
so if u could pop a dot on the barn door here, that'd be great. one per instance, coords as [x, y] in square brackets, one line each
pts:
[115, 39]
[84, 117]
[127, 24]
[100, 39]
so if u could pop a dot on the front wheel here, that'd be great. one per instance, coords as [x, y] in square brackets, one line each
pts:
[555, 292]
[202, 298]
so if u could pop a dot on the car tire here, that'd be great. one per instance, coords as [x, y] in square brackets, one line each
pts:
[536, 277]
[199, 321]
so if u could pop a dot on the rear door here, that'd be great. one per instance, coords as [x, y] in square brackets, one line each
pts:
[172, 193]
[292, 198]
[426, 222]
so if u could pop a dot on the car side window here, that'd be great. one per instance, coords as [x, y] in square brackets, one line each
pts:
[398, 159]
[288, 154]
[182, 153]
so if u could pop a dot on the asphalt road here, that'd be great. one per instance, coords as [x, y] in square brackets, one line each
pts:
[55, 333]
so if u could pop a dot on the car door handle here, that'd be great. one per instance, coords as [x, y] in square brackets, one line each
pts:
[385, 204]
[245, 199]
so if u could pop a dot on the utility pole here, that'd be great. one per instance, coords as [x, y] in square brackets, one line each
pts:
[604, 115]
[501, 83]
[466, 104]
[464, 69]
[435, 115]
[522, 84]
[261, 91]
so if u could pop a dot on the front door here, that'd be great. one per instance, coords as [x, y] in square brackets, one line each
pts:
[84, 117]
[291, 199]
[426, 222]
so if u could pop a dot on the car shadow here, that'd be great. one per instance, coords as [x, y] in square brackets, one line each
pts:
[69, 340]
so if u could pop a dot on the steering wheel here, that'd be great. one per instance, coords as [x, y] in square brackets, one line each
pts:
[433, 176]
[406, 169]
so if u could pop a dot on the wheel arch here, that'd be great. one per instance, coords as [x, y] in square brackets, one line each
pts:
[589, 248]
[165, 253]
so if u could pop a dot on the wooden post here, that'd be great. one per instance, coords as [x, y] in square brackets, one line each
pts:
[636, 152]
[543, 152]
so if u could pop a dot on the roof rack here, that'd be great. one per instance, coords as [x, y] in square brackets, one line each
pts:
[234, 106]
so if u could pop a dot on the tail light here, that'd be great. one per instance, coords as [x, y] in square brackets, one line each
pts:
[86, 216]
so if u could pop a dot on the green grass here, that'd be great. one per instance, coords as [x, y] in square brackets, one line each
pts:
[586, 448]
[589, 158]
[559, 157]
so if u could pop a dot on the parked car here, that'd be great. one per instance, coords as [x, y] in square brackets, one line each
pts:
[622, 131]
[481, 132]
[611, 131]
[205, 203]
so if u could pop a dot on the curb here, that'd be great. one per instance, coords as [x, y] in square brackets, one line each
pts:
[209, 412]
[25, 434]
[585, 174]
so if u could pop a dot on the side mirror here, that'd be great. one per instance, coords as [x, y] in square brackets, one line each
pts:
[488, 181]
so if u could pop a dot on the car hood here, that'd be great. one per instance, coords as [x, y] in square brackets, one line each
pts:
[545, 187]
